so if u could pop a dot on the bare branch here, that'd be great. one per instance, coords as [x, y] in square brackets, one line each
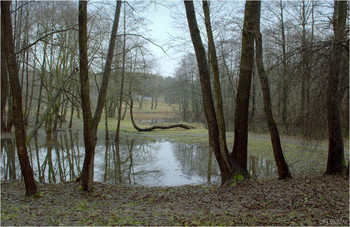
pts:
[43, 37]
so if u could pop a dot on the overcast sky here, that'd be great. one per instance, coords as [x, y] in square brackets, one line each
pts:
[162, 32]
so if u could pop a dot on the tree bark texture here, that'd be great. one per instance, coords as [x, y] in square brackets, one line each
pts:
[91, 123]
[121, 84]
[20, 132]
[231, 171]
[4, 83]
[107, 69]
[239, 152]
[284, 98]
[336, 163]
[89, 138]
[206, 90]
[282, 167]
[216, 81]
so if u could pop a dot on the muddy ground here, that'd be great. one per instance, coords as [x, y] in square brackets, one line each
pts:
[312, 200]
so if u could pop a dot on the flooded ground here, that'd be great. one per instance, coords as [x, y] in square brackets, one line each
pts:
[138, 161]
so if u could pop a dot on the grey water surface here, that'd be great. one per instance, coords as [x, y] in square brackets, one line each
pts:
[139, 160]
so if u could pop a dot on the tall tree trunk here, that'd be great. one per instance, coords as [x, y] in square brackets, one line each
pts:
[31, 95]
[229, 172]
[206, 90]
[89, 138]
[253, 98]
[156, 99]
[239, 152]
[125, 109]
[305, 80]
[107, 70]
[216, 81]
[4, 82]
[20, 132]
[26, 61]
[10, 115]
[71, 116]
[41, 84]
[56, 113]
[336, 163]
[152, 101]
[284, 94]
[121, 85]
[106, 121]
[91, 124]
[282, 167]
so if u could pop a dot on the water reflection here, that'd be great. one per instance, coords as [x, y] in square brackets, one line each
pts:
[58, 157]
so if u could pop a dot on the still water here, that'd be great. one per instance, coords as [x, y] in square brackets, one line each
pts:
[140, 160]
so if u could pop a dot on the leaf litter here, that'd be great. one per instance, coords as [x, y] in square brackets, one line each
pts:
[311, 200]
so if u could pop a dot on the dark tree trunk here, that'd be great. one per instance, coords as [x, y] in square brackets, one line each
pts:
[336, 162]
[206, 90]
[106, 121]
[282, 167]
[121, 84]
[4, 83]
[125, 109]
[231, 171]
[112, 107]
[107, 69]
[56, 114]
[152, 102]
[253, 98]
[156, 99]
[89, 138]
[41, 83]
[91, 124]
[39, 102]
[284, 94]
[305, 80]
[10, 114]
[71, 116]
[31, 97]
[239, 152]
[216, 81]
[20, 132]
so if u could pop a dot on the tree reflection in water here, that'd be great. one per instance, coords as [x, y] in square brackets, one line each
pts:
[59, 157]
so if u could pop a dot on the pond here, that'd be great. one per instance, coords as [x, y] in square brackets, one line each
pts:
[139, 161]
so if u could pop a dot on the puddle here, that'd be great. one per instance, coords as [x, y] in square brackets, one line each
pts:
[139, 161]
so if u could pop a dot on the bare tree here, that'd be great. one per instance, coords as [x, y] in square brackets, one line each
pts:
[122, 82]
[216, 80]
[283, 171]
[91, 123]
[243, 91]
[4, 83]
[336, 163]
[230, 170]
[20, 132]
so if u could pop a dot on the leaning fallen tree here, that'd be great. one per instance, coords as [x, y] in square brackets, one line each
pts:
[184, 126]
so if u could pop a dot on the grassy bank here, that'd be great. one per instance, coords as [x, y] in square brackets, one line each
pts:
[313, 200]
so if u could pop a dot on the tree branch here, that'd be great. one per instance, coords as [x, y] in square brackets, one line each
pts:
[43, 37]
[155, 126]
